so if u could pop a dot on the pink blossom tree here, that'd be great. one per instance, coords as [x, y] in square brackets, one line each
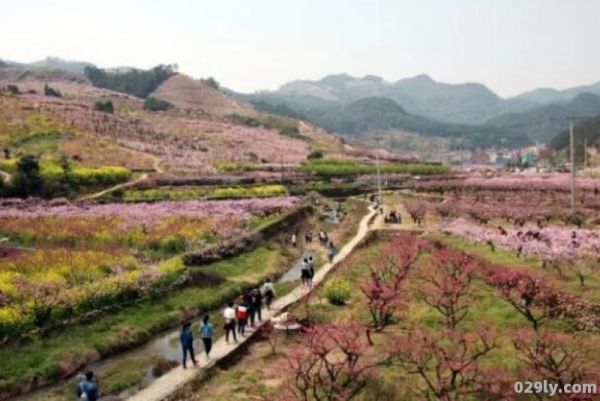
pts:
[446, 284]
[557, 357]
[448, 363]
[383, 288]
[331, 363]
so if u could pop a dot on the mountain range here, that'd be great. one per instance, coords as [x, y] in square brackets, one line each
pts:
[467, 114]
[467, 103]
[470, 113]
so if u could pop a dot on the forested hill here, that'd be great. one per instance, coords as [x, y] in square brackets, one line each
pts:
[365, 116]
[585, 130]
[544, 123]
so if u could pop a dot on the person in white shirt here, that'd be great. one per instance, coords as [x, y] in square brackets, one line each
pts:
[268, 291]
[229, 326]
[294, 239]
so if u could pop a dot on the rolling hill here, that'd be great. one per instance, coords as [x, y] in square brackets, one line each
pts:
[204, 129]
[543, 96]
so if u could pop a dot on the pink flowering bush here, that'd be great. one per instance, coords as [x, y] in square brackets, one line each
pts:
[547, 243]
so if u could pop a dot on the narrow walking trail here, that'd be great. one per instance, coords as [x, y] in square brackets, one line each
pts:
[156, 161]
[114, 188]
[178, 377]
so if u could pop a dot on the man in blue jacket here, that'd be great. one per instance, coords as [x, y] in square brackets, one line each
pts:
[87, 389]
[187, 343]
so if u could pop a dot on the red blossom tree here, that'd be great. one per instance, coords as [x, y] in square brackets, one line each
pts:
[330, 364]
[383, 288]
[557, 357]
[448, 363]
[446, 284]
[527, 294]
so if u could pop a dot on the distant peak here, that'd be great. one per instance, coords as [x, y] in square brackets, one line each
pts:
[374, 78]
[334, 78]
[422, 77]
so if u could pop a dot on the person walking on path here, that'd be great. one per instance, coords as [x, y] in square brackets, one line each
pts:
[87, 389]
[186, 338]
[311, 270]
[331, 251]
[241, 314]
[257, 303]
[304, 272]
[229, 326]
[268, 292]
[322, 237]
[295, 239]
[251, 313]
[308, 237]
[207, 332]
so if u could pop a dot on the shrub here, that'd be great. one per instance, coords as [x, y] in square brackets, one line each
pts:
[244, 120]
[27, 179]
[291, 131]
[235, 167]
[213, 83]
[154, 104]
[105, 107]
[13, 89]
[49, 91]
[338, 291]
[315, 154]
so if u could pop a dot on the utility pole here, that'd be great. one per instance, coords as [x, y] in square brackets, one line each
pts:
[282, 171]
[377, 139]
[584, 153]
[572, 151]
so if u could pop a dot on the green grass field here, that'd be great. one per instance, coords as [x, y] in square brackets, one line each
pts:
[343, 167]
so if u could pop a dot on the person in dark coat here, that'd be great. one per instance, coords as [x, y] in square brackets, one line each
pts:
[257, 299]
[304, 272]
[311, 270]
[186, 338]
[331, 251]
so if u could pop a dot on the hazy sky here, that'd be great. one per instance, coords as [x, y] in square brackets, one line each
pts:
[509, 45]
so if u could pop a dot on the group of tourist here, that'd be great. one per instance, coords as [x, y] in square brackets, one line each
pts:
[245, 310]
[393, 217]
[323, 240]
[308, 237]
